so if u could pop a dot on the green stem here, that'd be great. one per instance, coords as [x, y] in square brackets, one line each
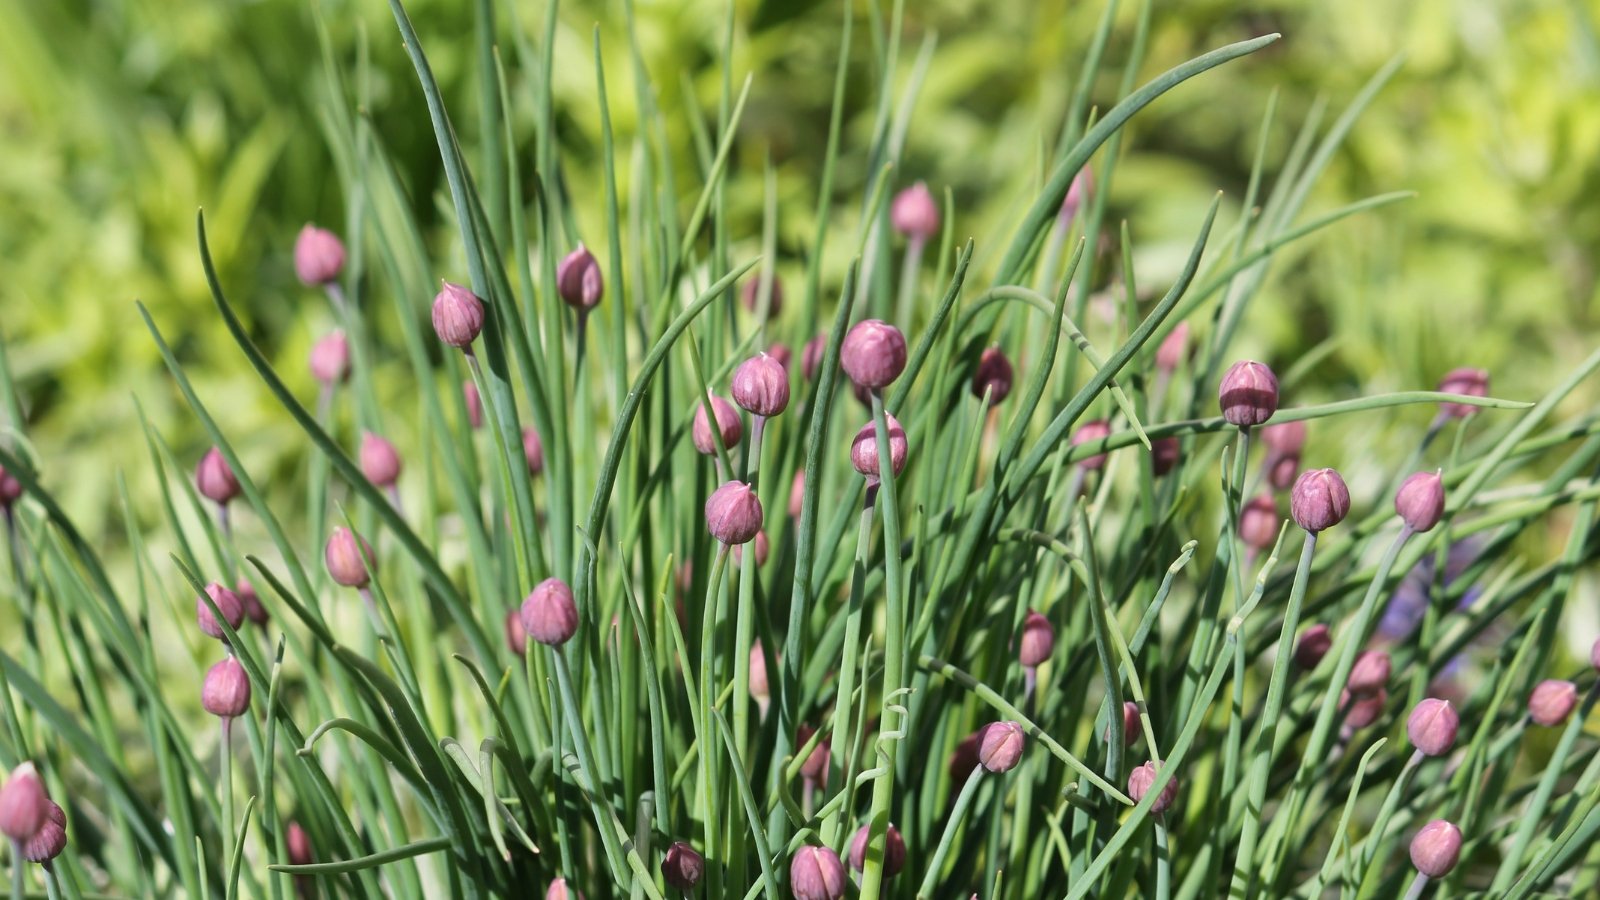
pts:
[959, 811]
[227, 794]
[1532, 818]
[745, 618]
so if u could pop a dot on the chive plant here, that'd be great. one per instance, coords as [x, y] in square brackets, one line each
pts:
[616, 638]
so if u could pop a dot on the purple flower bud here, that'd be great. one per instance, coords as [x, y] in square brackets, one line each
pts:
[516, 635]
[1089, 433]
[1142, 779]
[318, 256]
[1174, 348]
[751, 294]
[815, 768]
[760, 386]
[815, 873]
[1470, 382]
[24, 804]
[760, 688]
[763, 550]
[347, 561]
[914, 212]
[469, 391]
[380, 462]
[1078, 193]
[228, 603]
[781, 352]
[1370, 674]
[1000, 746]
[993, 374]
[330, 359]
[549, 614]
[1283, 472]
[1130, 724]
[1258, 523]
[1249, 394]
[1552, 701]
[559, 890]
[51, 838]
[1038, 640]
[1432, 726]
[214, 479]
[226, 690]
[532, 450]
[1420, 501]
[1362, 710]
[964, 758]
[682, 867]
[457, 315]
[733, 513]
[894, 850]
[297, 844]
[578, 279]
[1312, 645]
[1319, 500]
[729, 425]
[873, 354]
[864, 449]
[10, 489]
[1164, 455]
[797, 494]
[1436, 849]
[1285, 438]
[812, 354]
[253, 610]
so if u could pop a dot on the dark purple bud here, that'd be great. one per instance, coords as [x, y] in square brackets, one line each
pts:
[812, 354]
[457, 315]
[1258, 523]
[532, 450]
[760, 386]
[1370, 674]
[1038, 640]
[682, 867]
[1164, 455]
[1089, 433]
[1432, 726]
[226, 690]
[914, 212]
[1420, 500]
[1174, 348]
[815, 768]
[815, 873]
[1285, 438]
[993, 375]
[549, 614]
[1319, 500]
[873, 354]
[253, 609]
[346, 560]
[1000, 746]
[228, 603]
[1436, 849]
[733, 513]
[1142, 779]
[330, 359]
[1312, 645]
[1470, 382]
[318, 256]
[864, 449]
[516, 635]
[964, 758]
[578, 279]
[1249, 394]
[1552, 701]
[1361, 710]
[380, 462]
[894, 851]
[1130, 724]
[214, 479]
[751, 294]
[24, 804]
[51, 838]
[729, 426]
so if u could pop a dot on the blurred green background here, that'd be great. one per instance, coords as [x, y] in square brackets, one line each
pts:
[118, 118]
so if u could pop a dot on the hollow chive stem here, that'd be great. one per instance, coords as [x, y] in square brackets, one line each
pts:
[908, 280]
[843, 719]
[227, 788]
[18, 887]
[1532, 818]
[744, 620]
[1418, 885]
[951, 826]
[710, 810]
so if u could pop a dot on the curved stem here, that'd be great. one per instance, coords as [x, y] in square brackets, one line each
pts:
[963, 800]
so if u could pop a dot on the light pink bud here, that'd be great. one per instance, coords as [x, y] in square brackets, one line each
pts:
[226, 690]
[1319, 500]
[1164, 455]
[549, 614]
[318, 256]
[1131, 730]
[1432, 726]
[1000, 746]
[253, 609]
[297, 844]
[733, 513]
[532, 450]
[763, 550]
[1420, 501]
[345, 559]
[914, 212]
[214, 479]
[1283, 472]
[469, 391]
[760, 688]
[560, 890]
[812, 354]
[1285, 438]
[24, 804]
[751, 294]
[1038, 640]
[864, 449]
[578, 279]
[228, 603]
[1258, 523]
[330, 359]
[894, 850]
[1362, 710]
[815, 873]
[1370, 673]
[380, 462]
[729, 426]
[1248, 394]
[1174, 348]
[1436, 849]
[1090, 433]
[1078, 193]
[873, 354]
[516, 635]
[760, 386]
[1552, 701]
[797, 498]
[815, 767]
[1469, 382]
[457, 315]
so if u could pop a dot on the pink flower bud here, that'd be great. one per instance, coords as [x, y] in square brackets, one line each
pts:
[763, 550]
[578, 279]
[815, 873]
[812, 354]
[1089, 433]
[751, 294]
[1471, 383]
[1420, 501]
[1432, 726]
[226, 690]
[1283, 472]
[864, 449]
[516, 635]
[894, 850]
[318, 256]
[253, 610]
[1436, 849]
[1142, 779]
[729, 426]
[733, 513]
[781, 352]
[214, 479]
[815, 768]
[914, 212]
[297, 844]
[380, 462]
[873, 354]
[797, 494]
[1130, 724]
[1258, 523]
[1249, 394]
[228, 603]
[474, 404]
[1164, 455]
[1174, 348]
[559, 890]
[964, 758]
[1312, 645]
[1285, 438]
[1078, 193]
[51, 838]
[760, 688]
[1552, 701]
[347, 561]
[549, 614]
[1038, 640]
[532, 450]
[994, 375]
[1362, 710]
[24, 804]
[457, 315]
[682, 867]
[1319, 500]
[330, 359]
[760, 386]
[1370, 673]
[1000, 746]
